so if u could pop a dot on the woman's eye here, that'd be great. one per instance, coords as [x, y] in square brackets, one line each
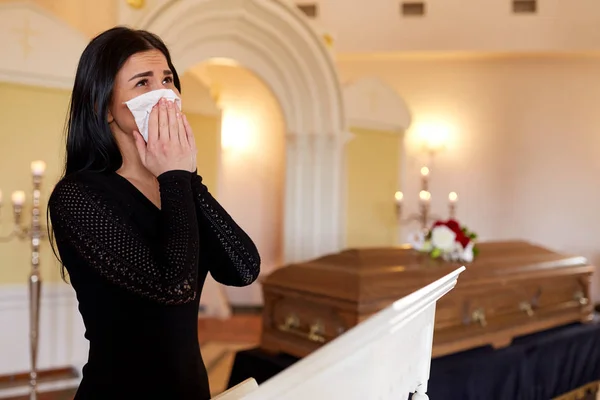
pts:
[143, 82]
[167, 80]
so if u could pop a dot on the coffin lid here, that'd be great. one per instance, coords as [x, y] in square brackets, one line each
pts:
[377, 274]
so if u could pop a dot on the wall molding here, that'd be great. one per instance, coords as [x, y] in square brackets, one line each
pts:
[373, 104]
[62, 341]
[37, 48]
[274, 40]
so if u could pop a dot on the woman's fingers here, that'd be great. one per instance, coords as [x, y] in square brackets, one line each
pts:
[177, 148]
[163, 121]
[173, 124]
[153, 125]
[181, 130]
[189, 134]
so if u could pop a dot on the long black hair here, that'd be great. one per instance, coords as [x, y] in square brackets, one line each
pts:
[90, 144]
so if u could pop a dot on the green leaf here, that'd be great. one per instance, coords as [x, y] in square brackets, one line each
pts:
[472, 236]
[475, 251]
[435, 253]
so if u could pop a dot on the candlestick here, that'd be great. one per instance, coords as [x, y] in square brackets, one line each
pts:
[35, 233]
[18, 198]
[452, 199]
[399, 196]
[424, 178]
[38, 168]
[424, 216]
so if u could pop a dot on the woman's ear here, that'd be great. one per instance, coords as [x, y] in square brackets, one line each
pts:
[110, 117]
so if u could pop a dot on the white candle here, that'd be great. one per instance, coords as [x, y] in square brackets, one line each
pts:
[18, 198]
[425, 196]
[424, 172]
[399, 196]
[453, 197]
[38, 168]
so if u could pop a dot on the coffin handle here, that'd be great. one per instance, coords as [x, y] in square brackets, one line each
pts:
[291, 322]
[580, 297]
[527, 308]
[292, 325]
[479, 316]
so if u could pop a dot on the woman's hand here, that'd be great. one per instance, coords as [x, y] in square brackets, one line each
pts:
[191, 140]
[171, 145]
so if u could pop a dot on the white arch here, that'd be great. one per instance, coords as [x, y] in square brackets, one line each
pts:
[271, 38]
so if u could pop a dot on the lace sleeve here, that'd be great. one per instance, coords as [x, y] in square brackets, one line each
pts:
[87, 222]
[228, 251]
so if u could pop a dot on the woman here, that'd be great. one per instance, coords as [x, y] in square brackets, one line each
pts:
[136, 229]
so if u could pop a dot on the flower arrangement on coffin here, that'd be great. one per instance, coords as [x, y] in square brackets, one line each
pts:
[447, 240]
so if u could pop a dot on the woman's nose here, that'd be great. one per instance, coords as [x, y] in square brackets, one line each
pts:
[155, 84]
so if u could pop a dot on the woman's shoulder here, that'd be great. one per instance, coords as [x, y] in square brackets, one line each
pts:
[89, 184]
[88, 179]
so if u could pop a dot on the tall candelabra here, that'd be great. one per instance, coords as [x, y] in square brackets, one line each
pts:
[424, 216]
[35, 232]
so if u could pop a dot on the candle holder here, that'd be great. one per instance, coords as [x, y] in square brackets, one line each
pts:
[35, 232]
[424, 216]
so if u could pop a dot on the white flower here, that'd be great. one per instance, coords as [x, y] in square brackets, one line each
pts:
[443, 238]
[467, 254]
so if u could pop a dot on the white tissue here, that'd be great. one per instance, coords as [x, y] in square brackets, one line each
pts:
[141, 107]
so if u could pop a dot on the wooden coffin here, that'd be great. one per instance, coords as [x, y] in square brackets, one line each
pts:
[511, 289]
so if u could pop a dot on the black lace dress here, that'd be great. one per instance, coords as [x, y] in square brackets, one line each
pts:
[138, 272]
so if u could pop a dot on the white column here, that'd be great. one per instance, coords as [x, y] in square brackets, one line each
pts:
[329, 196]
[321, 193]
[313, 201]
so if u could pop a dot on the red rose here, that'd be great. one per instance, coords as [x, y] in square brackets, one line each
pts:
[438, 223]
[454, 225]
[462, 239]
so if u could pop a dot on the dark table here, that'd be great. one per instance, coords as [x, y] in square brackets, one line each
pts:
[534, 367]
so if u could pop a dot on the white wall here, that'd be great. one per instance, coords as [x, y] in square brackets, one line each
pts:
[253, 170]
[523, 152]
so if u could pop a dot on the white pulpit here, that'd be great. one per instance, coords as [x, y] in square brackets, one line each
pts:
[386, 357]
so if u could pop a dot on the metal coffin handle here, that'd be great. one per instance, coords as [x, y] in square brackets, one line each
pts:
[292, 325]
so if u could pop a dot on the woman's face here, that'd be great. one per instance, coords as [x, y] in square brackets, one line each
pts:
[141, 73]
